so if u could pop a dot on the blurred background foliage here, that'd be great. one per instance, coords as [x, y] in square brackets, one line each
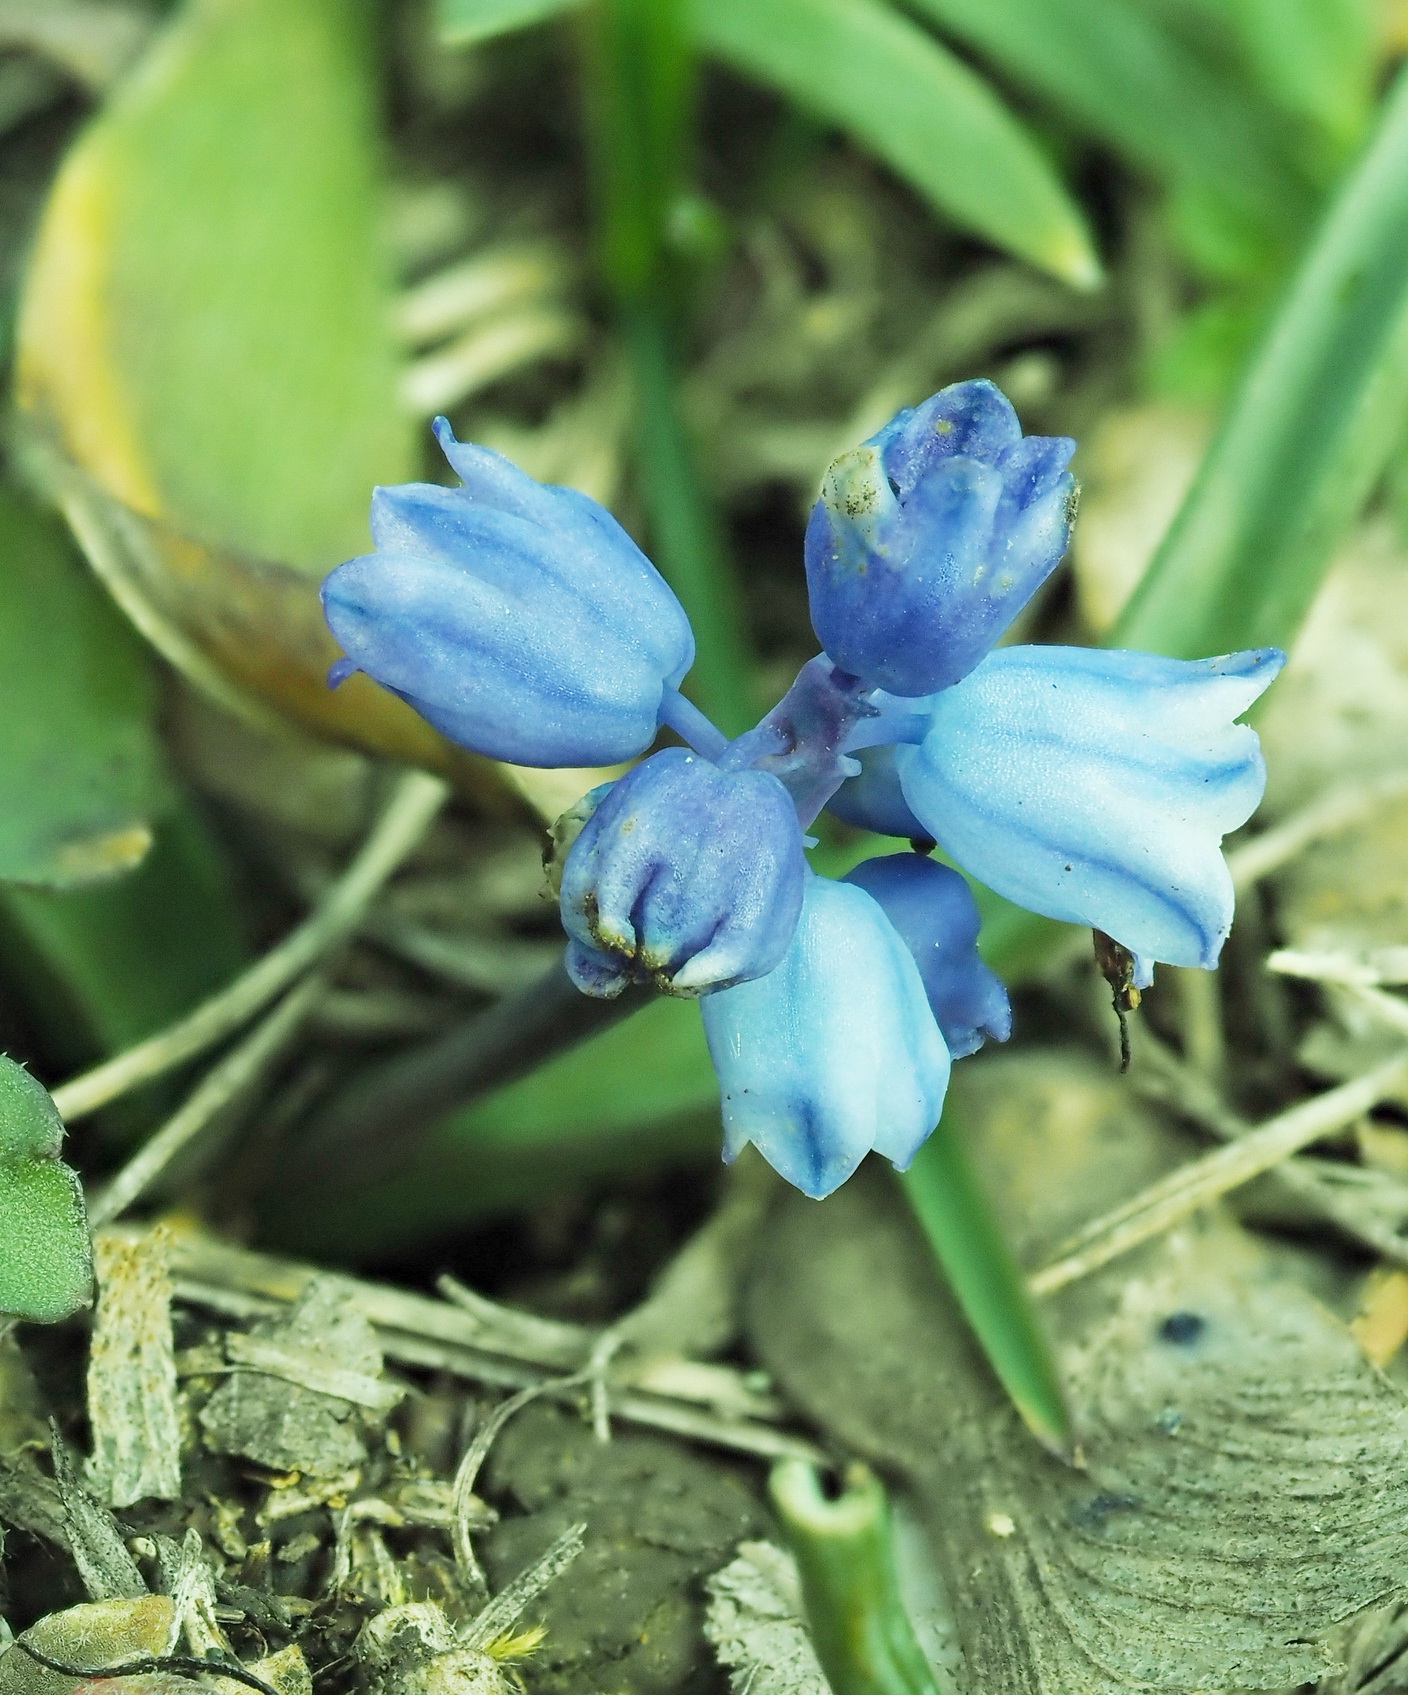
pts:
[678, 256]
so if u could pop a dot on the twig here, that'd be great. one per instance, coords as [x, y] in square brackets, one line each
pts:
[414, 804]
[435, 1336]
[1345, 968]
[221, 1085]
[504, 1611]
[1164, 1078]
[467, 1473]
[1164, 1203]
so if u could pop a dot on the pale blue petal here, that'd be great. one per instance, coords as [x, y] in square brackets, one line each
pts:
[835, 1052]
[1096, 787]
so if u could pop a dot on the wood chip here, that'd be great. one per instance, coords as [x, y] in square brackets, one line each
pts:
[310, 1371]
[132, 1408]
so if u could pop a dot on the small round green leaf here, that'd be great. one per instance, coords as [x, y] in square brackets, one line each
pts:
[30, 1127]
[46, 1263]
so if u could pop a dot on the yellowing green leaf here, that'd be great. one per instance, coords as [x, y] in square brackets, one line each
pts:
[205, 320]
[80, 767]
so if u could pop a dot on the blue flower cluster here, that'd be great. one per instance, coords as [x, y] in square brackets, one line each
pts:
[1091, 785]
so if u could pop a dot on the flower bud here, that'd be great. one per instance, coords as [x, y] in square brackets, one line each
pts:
[519, 619]
[930, 538]
[686, 876]
[933, 909]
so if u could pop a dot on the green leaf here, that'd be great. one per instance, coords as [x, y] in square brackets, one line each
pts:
[80, 766]
[968, 1242]
[862, 66]
[631, 1098]
[1307, 434]
[46, 1267]
[1314, 59]
[462, 22]
[205, 318]
[1121, 77]
[30, 1126]
[100, 968]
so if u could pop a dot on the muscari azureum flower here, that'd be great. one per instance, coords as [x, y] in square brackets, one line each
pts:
[1090, 785]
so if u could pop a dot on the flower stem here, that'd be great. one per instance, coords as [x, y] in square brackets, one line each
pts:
[692, 725]
[845, 1556]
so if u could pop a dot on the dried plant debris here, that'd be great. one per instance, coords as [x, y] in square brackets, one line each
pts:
[132, 1408]
[627, 1615]
[306, 1389]
[1242, 1491]
[99, 1634]
[755, 1625]
[414, 1649]
[93, 1535]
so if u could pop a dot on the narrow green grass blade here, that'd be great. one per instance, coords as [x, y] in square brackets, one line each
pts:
[686, 533]
[864, 67]
[1313, 59]
[1307, 435]
[463, 22]
[639, 69]
[958, 1220]
[1120, 76]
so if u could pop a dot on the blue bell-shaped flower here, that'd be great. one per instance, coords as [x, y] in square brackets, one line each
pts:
[930, 538]
[834, 1052]
[1096, 786]
[685, 876]
[932, 908]
[519, 619]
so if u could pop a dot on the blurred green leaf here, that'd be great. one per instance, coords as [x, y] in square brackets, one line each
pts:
[864, 67]
[463, 22]
[640, 1093]
[1119, 76]
[871, 71]
[1307, 434]
[205, 322]
[1313, 59]
[80, 766]
[46, 1269]
[100, 968]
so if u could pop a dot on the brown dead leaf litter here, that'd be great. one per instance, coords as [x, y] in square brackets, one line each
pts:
[266, 1505]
